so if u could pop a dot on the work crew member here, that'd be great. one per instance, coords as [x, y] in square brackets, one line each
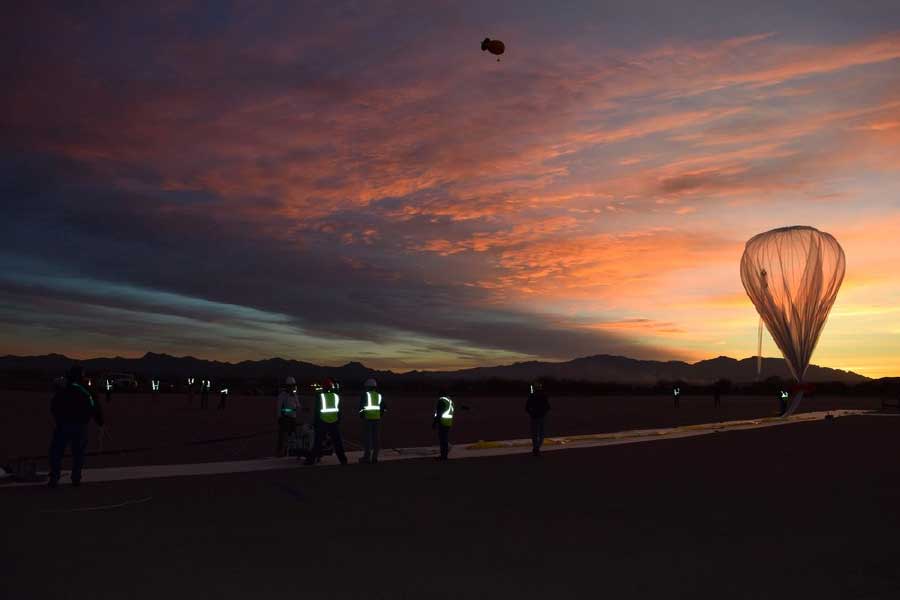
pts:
[287, 410]
[328, 421]
[109, 389]
[443, 421]
[72, 407]
[223, 396]
[537, 406]
[783, 401]
[154, 388]
[190, 391]
[205, 384]
[371, 409]
[676, 395]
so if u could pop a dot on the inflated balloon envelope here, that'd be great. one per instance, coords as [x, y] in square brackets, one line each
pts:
[792, 275]
[495, 47]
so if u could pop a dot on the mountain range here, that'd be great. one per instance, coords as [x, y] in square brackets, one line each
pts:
[599, 368]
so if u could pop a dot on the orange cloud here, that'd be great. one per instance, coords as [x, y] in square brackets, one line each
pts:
[642, 325]
[595, 181]
[795, 62]
[604, 267]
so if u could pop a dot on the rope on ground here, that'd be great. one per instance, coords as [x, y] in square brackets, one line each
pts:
[162, 446]
[290, 491]
[230, 438]
[353, 445]
[103, 507]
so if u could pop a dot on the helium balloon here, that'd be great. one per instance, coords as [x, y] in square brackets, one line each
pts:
[495, 47]
[792, 275]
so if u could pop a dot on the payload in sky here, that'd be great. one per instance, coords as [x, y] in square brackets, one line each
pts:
[792, 275]
[495, 47]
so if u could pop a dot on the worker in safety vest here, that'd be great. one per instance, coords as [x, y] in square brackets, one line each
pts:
[287, 409]
[537, 406]
[328, 421]
[443, 421]
[190, 391]
[676, 395]
[371, 409]
[205, 385]
[783, 402]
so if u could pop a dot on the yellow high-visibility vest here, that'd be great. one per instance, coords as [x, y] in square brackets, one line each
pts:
[329, 407]
[447, 414]
[372, 409]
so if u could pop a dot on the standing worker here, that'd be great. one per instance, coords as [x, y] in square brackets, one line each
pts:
[371, 409]
[223, 396]
[443, 421]
[205, 384]
[154, 389]
[676, 395]
[72, 407]
[537, 406]
[287, 410]
[783, 402]
[328, 420]
[109, 389]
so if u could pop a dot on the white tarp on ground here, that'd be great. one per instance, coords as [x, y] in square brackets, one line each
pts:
[471, 450]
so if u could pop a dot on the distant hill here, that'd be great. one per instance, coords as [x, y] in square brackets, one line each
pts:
[606, 368]
[167, 366]
[600, 368]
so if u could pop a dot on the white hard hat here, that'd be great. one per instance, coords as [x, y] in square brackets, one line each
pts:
[290, 381]
[370, 383]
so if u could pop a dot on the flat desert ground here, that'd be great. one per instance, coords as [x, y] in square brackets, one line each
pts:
[143, 430]
[808, 510]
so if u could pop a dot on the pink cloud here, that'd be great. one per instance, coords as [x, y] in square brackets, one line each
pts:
[555, 178]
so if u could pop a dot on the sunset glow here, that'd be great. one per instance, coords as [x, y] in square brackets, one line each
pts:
[334, 182]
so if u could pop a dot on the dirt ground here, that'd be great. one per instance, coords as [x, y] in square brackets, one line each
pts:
[143, 430]
[802, 511]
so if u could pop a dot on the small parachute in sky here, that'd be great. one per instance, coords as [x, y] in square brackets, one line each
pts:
[495, 47]
[792, 276]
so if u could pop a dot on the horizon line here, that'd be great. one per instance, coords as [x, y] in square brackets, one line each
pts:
[436, 370]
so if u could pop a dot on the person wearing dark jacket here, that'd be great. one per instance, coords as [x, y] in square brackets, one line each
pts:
[72, 407]
[537, 406]
[205, 385]
[223, 397]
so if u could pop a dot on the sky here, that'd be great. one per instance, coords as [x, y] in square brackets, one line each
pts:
[335, 181]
